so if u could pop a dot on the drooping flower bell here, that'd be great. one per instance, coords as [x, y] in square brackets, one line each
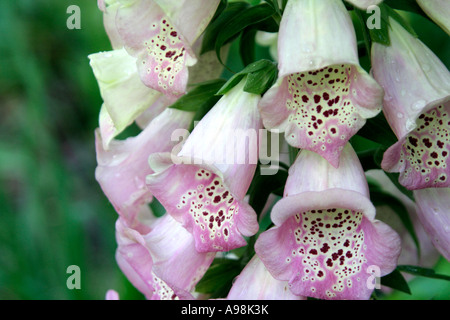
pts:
[204, 185]
[322, 96]
[326, 238]
[256, 283]
[162, 264]
[433, 210]
[124, 95]
[160, 34]
[417, 107]
[122, 169]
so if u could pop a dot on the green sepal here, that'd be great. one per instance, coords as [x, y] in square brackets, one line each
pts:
[200, 99]
[261, 75]
[395, 280]
[246, 17]
[423, 272]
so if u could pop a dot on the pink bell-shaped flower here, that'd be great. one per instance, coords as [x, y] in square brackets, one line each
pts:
[322, 96]
[160, 34]
[433, 210]
[326, 240]
[417, 107]
[162, 264]
[256, 283]
[122, 169]
[204, 185]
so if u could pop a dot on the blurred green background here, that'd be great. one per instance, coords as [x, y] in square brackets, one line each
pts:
[53, 214]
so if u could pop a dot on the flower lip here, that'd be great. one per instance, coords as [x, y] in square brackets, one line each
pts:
[161, 36]
[416, 105]
[203, 202]
[403, 125]
[324, 243]
[320, 200]
[327, 254]
[414, 79]
[163, 54]
[321, 110]
[161, 161]
[422, 156]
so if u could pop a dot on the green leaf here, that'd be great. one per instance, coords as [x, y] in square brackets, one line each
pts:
[214, 28]
[200, 99]
[247, 45]
[260, 81]
[195, 98]
[397, 17]
[274, 5]
[218, 280]
[365, 33]
[407, 5]
[267, 25]
[423, 272]
[380, 198]
[395, 280]
[233, 81]
[237, 23]
[381, 35]
[261, 76]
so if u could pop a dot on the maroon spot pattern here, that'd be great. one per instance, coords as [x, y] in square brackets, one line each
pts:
[329, 247]
[162, 290]
[212, 208]
[167, 53]
[425, 153]
[321, 106]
